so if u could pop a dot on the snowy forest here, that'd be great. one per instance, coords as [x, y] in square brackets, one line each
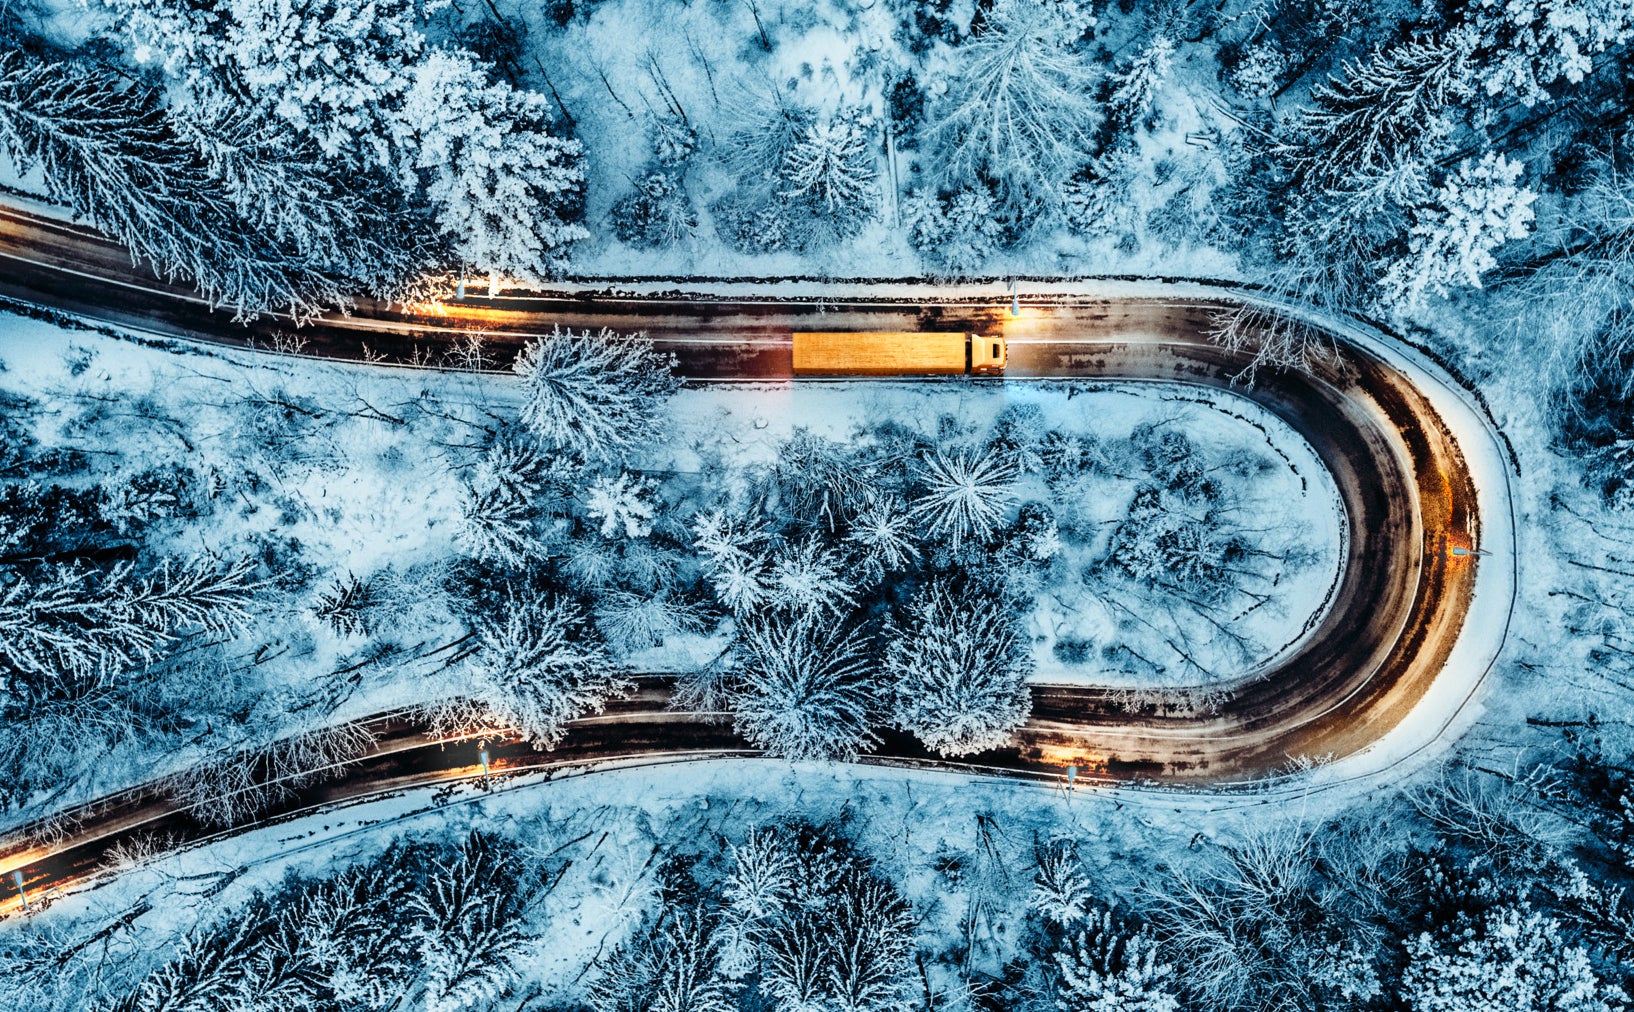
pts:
[221, 565]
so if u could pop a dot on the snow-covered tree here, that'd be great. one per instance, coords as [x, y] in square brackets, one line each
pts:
[818, 480]
[734, 557]
[104, 149]
[658, 213]
[671, 970]
[537, 667]
[347, 605]
[639, 621]
[885, 532]
[958, 671]
[1135, 87]
[742, 584]
[467, 931]
[1385, 111]
[1018, 108]
[1061, 892]
[1479, 207]
[965, 494]
[599, 394]
[501, 183]
[871, 948]
[496, 521]
[75, 624]
[802, 689]
[759, 880]
[1528, 45]
[1511, 958]
[960, 233]
[809, 578]
[621, 505]
[720, 535]
[1106, 968]
[831, 167]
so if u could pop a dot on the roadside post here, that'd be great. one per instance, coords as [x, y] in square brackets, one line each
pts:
[487, 785]
[17, 878]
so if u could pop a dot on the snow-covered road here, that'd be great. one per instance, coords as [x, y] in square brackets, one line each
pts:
[1391, 674]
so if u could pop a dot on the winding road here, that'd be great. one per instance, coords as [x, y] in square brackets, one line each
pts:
[1397, 446]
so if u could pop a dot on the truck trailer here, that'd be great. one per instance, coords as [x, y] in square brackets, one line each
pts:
[879, 353]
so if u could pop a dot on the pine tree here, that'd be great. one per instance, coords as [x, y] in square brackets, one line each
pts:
[640, 621]
[658, 214]
[1388, 110]
[467, 929]
[674, 970]
[885, 532]
[1529, 45]
[1106, 969]
[871, 962]
[965, 495]
[347, 605]
[1061, 892]
[1479, 207]
[620, 505]
[960, 233]
[958, 672]
[79, 625]
[1135, 87]
[759, 879]
[831, 167]
[496, 522]
[1018, 109]
[503, 186]
[601, 395]
[808, 578]
[106, 150]
[1512, 958]
[537, 666]
[801, 689]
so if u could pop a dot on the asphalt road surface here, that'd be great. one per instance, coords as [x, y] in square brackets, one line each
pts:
[1388, 627]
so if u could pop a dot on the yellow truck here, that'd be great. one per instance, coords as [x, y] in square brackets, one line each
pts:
[879, 353]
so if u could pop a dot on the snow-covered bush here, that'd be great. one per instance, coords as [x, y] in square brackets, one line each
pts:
[597, 394]
[1169, 543]
[958, 671]
[1258, 70]
[658, 213]
[1478, 208]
